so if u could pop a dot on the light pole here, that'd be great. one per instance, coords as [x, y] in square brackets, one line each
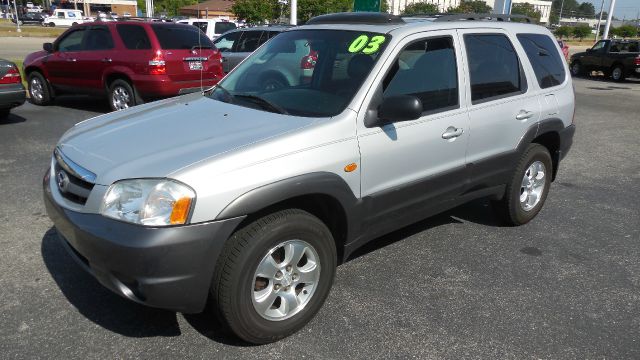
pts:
[609, 16]
[599, 20]
[560, 16]
[294, 12]
[17, 19]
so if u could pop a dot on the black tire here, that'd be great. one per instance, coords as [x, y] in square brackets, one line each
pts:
[233, 282]
[577, 69]
[38, 87]
[617, 73]
[125, 95]
[510, 208]
[74, 24]
[52, 24]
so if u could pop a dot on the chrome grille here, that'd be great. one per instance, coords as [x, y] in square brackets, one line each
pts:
[73, 181]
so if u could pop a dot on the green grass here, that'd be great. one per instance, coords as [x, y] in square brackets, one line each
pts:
[9, 29]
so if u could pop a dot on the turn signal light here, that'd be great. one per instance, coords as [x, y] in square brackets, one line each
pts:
[11, 77]
[180, 211]
[350, 167]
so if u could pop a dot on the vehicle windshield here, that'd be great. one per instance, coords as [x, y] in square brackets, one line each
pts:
[312, 73]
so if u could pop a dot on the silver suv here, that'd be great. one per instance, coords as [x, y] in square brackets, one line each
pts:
[247, 196]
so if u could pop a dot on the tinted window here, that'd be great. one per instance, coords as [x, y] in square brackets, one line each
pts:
[72, 41]
[545, 59]
[180, 36]
[225, 43]
[248, 41]
[98, 38]
[494, 67]
[223, 27]
[426, 69]
[134, 37]
[599, 45]
[201, 25]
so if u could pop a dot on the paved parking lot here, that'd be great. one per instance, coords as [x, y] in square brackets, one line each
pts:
[455, 286]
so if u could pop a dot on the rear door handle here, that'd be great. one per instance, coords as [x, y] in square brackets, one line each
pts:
[452, 132]
[524, 115]
[107, 60]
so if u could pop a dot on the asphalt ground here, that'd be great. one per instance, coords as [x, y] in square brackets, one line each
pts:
[458, 285]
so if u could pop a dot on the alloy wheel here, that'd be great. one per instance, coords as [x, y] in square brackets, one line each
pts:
[285, 280]
[533, 183]
[36, 89]
[121, 99]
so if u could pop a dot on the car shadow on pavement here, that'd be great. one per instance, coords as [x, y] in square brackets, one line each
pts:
[12, 119]
[97, 303]
[83, 102]
[115, 313]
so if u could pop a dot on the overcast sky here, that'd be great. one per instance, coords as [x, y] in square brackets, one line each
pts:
[624, 8]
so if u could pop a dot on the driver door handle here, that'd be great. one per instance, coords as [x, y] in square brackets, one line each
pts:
[107, 60]
[71, 59]
[452, 132]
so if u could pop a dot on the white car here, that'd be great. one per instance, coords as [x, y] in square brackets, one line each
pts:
[212, 27]
[64, 17]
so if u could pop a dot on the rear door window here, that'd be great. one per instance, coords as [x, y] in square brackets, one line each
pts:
[134, 37]
[98, 38]
[545, 59]
[249, 41]
[174, 37]
[494, 67]
[225, 43]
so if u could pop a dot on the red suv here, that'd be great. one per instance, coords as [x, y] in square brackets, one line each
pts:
[130, 61]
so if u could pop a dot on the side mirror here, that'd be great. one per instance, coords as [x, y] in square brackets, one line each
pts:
[48, 47]
[399, 108]
[589, 50]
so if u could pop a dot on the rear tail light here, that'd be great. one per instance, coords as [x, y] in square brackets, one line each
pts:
[637, 60]
[11, 77]
[157, 64]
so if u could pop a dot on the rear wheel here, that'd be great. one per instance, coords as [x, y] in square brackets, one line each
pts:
[122, 95]
[52, 24]
[39, 93]
[74, 24]
[274, 275]
[617, 73]
[527, 191]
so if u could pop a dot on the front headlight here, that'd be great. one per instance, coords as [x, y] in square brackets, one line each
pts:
[151, 202]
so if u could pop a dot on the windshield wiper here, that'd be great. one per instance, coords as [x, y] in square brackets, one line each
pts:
[226, 92]
[266, 104]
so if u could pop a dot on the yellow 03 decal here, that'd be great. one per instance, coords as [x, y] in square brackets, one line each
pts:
[366, 45]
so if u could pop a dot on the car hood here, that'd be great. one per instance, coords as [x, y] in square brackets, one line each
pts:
[159, 138]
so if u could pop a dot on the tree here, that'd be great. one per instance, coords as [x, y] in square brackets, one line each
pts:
[420, 8]
[254, 11]
[171, 7]
[563, 31]
[471, 7]
[310, 8]
[586, 10]
[581, 31]
[625, 31]
[526, 9]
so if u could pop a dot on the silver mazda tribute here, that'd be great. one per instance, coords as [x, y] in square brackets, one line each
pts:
[246, 196]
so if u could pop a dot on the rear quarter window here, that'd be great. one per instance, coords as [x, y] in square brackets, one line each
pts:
[173, 37]
[545, 59]
[223, 27]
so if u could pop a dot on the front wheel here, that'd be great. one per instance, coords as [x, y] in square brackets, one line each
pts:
[527, 190]
[576, 69]
[274, 275]
[38, 87]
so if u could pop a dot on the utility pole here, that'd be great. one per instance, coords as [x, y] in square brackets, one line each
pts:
[599, 21]
[560, 16]
[17, 20]
[609, 16]
[294, 12]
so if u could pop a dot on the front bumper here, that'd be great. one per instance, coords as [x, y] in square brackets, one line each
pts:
[163, 267]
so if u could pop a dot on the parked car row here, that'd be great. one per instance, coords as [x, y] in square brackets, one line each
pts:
[617, 59]
[12, 92]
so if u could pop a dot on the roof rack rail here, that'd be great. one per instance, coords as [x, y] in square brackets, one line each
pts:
[372, 18]
[473, 17]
